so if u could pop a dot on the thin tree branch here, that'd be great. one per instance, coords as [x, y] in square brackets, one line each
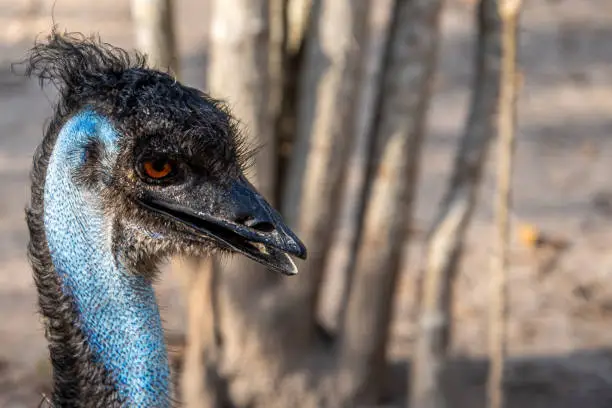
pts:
[509, 12]
[446, 237]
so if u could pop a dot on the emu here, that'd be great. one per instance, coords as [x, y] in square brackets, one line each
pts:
[134, 167]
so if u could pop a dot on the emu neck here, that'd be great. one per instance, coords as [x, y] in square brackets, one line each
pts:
[117, 310]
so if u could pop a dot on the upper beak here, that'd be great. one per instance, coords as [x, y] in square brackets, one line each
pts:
[241, 220]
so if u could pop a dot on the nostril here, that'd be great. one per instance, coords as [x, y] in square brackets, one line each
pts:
[260, 226]
[244, 220]
[252, 222]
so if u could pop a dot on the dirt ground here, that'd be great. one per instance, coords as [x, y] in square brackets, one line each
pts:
[561, 299]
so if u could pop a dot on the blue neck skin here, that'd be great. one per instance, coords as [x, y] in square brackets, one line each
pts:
[117, 307]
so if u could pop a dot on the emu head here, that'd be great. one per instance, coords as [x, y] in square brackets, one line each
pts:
[173, 182]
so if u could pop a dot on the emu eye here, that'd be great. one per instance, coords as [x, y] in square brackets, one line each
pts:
[158, 169]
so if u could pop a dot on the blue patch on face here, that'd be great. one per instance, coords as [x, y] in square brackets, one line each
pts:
[117, 308]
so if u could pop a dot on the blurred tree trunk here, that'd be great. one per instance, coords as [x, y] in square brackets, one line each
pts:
[270, 353]
[407, 80]
[327, 90]
[448, 233]
[276, 64]
[509, 11]
[328, 94]
[154, 29]
[346, 233]
[296, 20]
[239, 74]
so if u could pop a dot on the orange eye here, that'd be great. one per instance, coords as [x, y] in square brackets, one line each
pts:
[157, 169]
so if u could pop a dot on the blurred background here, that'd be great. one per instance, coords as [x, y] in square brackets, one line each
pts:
[559, 321]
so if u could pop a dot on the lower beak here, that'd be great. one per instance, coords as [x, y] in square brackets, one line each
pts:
[245, 223]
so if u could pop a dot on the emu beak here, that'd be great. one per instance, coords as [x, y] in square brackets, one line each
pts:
[240, 220]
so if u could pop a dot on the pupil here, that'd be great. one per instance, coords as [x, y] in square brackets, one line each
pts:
[159, 165]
